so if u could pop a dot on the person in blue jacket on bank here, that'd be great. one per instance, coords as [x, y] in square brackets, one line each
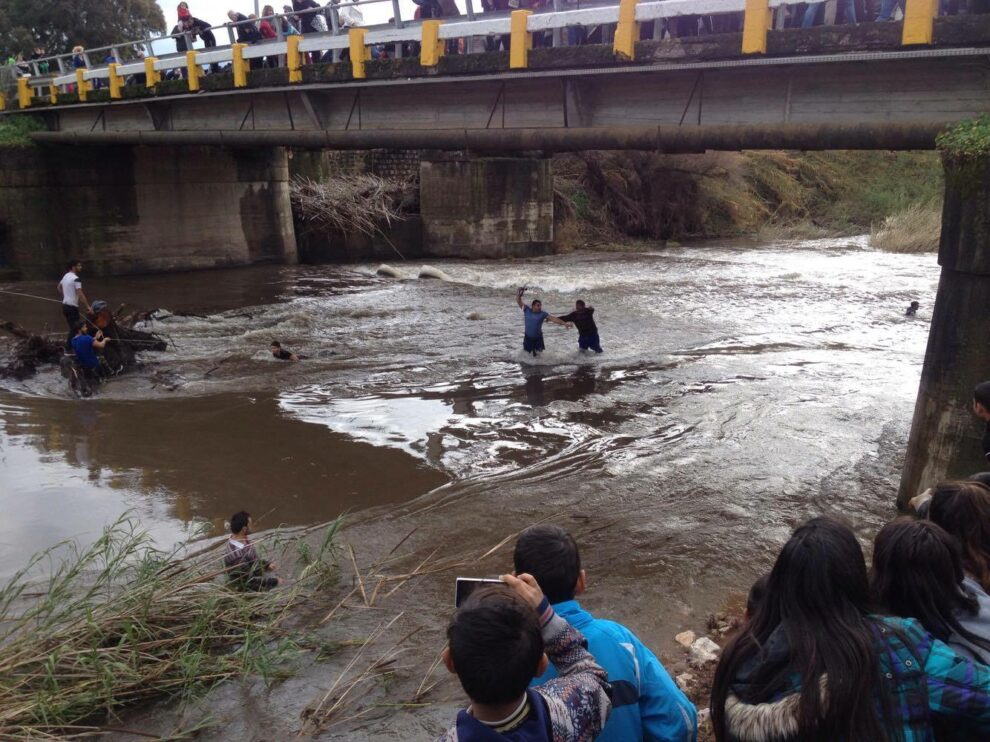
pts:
[646, 703]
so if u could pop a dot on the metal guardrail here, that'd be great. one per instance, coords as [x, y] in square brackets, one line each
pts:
[433, 36]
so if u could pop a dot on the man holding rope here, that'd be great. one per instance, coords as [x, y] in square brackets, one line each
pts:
[71, 289]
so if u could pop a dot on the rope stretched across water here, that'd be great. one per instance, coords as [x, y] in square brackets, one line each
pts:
[83, 318]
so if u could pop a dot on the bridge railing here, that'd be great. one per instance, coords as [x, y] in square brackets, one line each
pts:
[620, 21]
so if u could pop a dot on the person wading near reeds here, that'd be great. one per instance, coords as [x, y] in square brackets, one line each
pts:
[244, 568]
[70, 287]
[583, 318]
[534, 317]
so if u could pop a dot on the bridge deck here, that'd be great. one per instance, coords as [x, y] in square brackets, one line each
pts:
[839, 75]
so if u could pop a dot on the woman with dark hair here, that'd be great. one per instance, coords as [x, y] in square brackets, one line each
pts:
[918, 573]
[812, 663]
[963, 509]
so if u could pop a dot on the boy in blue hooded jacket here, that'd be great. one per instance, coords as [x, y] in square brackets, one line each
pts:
[646, 703]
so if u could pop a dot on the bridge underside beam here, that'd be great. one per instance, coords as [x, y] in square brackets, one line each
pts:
[648, 138]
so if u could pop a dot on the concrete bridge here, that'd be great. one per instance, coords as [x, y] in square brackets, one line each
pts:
[872, 85]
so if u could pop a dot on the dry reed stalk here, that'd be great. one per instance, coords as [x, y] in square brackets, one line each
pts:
[349, 204]
[916, 229]
[122, 622]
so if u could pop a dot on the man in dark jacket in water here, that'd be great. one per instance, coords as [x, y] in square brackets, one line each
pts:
[584, 319]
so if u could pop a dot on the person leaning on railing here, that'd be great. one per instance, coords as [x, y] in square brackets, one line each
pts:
[247, 32]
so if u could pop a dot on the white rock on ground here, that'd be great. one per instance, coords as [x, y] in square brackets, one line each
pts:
[704, 650]
[685, 639]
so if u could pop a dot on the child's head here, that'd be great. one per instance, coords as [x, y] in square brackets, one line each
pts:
[495, 646]
[239, 521]
[981, 400]
[550, 554]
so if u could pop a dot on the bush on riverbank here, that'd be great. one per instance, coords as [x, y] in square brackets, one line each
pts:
[723, 194]
[915, 229]
[122, 622]
[15, 130]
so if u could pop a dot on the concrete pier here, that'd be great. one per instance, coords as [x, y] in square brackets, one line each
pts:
[945, 434]
[134, 209]
[491, 207]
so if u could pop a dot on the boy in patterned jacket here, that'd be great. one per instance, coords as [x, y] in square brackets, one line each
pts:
[496, 644]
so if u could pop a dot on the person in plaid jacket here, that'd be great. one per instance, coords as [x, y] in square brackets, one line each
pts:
[812, 663]
[496, 644]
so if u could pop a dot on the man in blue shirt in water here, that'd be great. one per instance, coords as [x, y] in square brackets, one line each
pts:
[83, 345]
[534, 317]
[646, 704]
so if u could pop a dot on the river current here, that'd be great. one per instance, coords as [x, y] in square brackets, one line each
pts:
[743, 389]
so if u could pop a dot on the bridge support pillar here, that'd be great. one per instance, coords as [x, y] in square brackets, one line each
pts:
[143, 209]
[945, 435]
[489, 207]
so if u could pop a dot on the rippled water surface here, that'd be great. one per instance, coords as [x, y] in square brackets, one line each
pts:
[742, 389]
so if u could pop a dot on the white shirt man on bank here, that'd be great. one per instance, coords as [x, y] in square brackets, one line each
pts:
[70, 287]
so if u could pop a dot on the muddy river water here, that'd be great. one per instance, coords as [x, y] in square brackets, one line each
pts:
[743, 389]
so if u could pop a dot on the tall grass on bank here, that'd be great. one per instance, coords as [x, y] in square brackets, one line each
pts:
[915, 229]
[122, 621]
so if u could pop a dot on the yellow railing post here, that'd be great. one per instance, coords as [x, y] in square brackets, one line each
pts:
[627, 32]
[192, 71]
[520, 40]
[116, 82]
[239, 65]
[23, 93]
[3, 102]
[919, 21]
[82, 87]
[293, 58]
[431, 47]
[359, 52]
[151, 76]
[756, 23]
[53, 93]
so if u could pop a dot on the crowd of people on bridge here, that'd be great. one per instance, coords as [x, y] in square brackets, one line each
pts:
[310, 17]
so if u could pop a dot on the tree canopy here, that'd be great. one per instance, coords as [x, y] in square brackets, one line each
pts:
[58, 25]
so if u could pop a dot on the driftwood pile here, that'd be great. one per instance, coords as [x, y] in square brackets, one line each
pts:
[31, 351]
[353, 204]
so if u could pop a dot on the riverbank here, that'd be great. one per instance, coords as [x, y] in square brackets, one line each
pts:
[604, 198]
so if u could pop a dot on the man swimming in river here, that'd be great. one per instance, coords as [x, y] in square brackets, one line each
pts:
[534, 317]
[281, 354]
[583, 318]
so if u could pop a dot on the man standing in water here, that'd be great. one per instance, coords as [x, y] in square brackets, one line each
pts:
[71, 289]
[534, 317]
[584, 320]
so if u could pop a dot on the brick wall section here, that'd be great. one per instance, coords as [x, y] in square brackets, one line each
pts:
[393, 164]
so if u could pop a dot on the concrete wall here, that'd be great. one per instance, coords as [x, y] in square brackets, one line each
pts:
[141, 209]
[945, 434]
[487, 208]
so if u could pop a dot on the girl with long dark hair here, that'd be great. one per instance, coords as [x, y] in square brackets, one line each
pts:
[813, 663]
[918, 573]
[963, 509]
